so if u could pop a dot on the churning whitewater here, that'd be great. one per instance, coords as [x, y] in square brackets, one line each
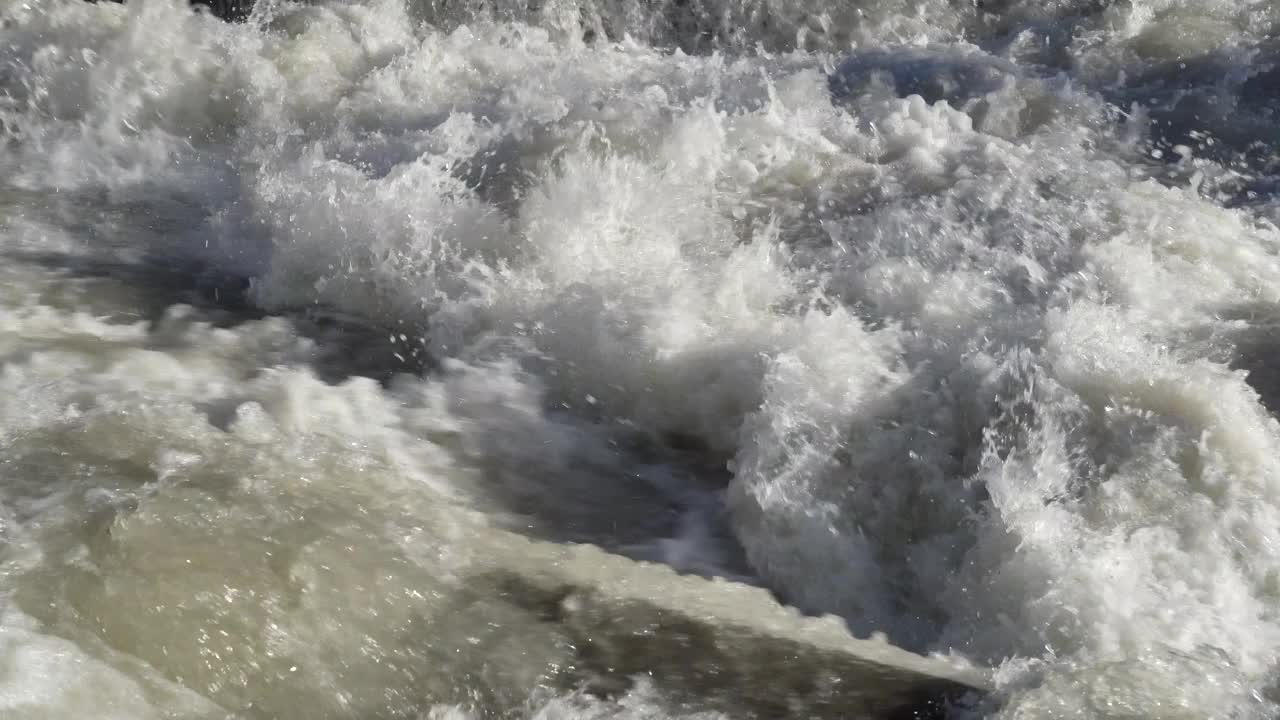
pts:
[957, 319]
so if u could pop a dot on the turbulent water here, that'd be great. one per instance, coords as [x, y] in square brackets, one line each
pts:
[954, 318]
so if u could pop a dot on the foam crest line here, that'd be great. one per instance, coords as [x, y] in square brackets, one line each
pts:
[638, 618]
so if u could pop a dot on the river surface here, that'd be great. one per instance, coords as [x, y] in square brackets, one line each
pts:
[958, 319]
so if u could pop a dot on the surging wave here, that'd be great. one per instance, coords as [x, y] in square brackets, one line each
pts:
[962, 295]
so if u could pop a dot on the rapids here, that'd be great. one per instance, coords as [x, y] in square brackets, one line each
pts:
[955, 318]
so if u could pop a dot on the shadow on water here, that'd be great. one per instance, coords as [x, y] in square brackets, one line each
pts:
[1221, 106]
[1255, 350]
[1218, 104]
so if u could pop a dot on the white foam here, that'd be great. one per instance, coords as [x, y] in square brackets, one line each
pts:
[963, 343]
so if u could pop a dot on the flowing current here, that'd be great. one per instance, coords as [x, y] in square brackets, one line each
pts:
[957, 319]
